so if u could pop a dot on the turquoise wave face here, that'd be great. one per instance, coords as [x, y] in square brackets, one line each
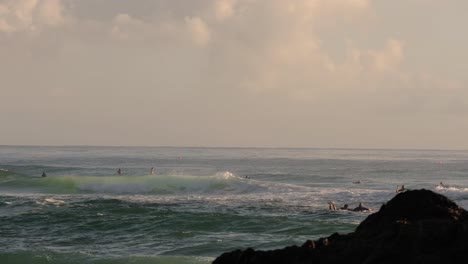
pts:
[8, 176]
[148, 184]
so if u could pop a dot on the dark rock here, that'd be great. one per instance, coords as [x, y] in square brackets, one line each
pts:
[417, 226]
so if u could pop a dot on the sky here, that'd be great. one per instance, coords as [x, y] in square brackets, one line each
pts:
[235, 73]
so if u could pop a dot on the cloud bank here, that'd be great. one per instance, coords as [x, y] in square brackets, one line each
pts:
[304, 73]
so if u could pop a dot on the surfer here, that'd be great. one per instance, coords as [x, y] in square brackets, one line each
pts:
[360, 208]
[152, 171]
[442, 185]
[345, 207]
[401, 189]
[357, 182]
[332, 207]
[119, 171]
[43, 174]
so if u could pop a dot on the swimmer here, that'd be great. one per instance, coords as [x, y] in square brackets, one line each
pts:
[331, 206]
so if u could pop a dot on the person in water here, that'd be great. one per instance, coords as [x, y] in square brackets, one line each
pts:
[360, 208]
[442, 185]
[401, 189]
[332, 206]
[152, 171]
[44, 174]
[119, 171]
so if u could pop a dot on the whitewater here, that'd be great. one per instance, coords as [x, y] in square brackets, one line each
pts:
[200, 202]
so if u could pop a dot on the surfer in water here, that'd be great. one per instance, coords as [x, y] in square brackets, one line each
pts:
[331, 206]
[345, 207]
[442, 185]
[43, 174]
[359, 208]
[119, 171]
[152, 171]
[401, 189]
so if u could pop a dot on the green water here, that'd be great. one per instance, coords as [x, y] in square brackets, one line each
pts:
[201, 202]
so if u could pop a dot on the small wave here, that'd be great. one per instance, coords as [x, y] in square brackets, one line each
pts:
[54, 201]
[7, 176]
[385, 171]
[50, 201]
[225, 175]
[4, 172]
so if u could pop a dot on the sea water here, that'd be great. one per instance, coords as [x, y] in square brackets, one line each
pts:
[200, 202]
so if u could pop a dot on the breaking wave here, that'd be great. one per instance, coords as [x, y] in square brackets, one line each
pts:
[224, 182]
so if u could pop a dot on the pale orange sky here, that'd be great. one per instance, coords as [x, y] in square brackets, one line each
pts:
[246, 73]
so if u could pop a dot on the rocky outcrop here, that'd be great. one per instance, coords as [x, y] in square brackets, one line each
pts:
[417, 226]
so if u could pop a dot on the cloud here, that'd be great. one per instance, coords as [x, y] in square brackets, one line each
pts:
[123, 25]
[283, 52]
[201, 65]
[224, 9]
[389, 58]
[5, 27]
[359, 3]
[51, 12]
[30, 15]
[259, 46]
[199, 30]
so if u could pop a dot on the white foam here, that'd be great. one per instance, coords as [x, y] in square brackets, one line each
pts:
[54, 201]
[454, 189]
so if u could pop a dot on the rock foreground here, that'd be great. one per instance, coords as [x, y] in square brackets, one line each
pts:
[417, 226]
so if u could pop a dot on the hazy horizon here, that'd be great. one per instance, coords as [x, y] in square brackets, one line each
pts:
[230, 147]
[343, 74]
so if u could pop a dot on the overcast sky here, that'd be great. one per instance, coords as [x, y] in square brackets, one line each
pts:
[240, 73]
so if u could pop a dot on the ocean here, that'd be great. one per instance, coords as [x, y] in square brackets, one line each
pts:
[200, 202]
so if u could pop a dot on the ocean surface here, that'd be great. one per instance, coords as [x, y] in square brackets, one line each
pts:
[200, 202]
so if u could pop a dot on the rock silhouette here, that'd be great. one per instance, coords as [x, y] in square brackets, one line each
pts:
[417, 226]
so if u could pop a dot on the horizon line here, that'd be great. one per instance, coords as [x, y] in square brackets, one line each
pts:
[236, 147]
